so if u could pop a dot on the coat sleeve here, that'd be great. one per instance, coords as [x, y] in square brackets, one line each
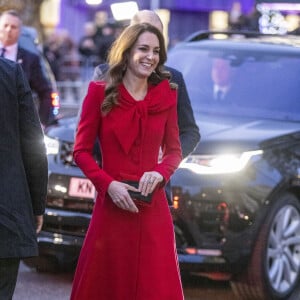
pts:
[32, 145]
[171, 148]
[100, 71]
[188, 129]
[86, 135]
[42, 86]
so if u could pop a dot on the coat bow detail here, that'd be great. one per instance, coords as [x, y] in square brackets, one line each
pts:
[134, 114]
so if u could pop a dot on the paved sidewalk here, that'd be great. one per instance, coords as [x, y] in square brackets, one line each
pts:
[32, 285]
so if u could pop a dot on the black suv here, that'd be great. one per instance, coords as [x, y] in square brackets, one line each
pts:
[237, 197]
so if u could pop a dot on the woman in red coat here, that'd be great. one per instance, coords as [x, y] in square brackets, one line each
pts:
[129, 251]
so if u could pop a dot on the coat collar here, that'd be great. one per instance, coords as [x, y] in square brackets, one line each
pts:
[134, 114]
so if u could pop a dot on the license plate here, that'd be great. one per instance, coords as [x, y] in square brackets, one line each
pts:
[82, 188]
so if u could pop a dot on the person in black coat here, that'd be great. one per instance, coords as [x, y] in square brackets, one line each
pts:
[10, 28]
[23, 173]
[188, 130]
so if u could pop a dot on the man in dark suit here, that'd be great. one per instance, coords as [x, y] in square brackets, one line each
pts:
[10, 28]
[188, 130]
[23, 173]
[222, 75]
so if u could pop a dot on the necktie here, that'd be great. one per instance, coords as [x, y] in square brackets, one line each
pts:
[219, 95]
[3, 50]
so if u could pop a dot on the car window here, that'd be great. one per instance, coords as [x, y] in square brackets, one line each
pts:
[262, 84]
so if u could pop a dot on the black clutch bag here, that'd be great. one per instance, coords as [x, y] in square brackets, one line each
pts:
[138, 195]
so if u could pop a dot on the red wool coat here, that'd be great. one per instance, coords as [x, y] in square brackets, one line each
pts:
[128, 256]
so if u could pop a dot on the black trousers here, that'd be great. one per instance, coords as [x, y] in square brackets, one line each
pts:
[9, 268]
[169, 193]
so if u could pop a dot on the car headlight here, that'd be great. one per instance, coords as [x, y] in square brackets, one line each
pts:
[52, 145]
[218, 164]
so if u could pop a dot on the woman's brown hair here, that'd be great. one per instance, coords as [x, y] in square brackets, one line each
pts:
[118, 58]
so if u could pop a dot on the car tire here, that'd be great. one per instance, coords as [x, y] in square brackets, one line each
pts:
[274, 269]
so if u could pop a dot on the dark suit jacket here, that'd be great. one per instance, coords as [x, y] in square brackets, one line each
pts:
[23, 164]
[38, 82]
[188, 130]
[232, 96]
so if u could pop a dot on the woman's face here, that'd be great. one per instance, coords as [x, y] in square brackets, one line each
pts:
[144, 55]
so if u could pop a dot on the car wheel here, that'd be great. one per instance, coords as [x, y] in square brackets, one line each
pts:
[274, 269]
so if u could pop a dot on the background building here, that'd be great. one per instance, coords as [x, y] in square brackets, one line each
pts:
[183, 17]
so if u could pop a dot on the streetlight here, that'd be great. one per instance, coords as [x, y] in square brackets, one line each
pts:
[124, 10]
[93, 2]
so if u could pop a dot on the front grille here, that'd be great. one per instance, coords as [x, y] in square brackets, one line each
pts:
[69, 204]
[65, 229]
[67, 216]
[211, 214]
[63, 224]
[201, 220]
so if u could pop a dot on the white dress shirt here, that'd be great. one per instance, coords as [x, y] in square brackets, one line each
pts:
[222, 90]
[10, 51]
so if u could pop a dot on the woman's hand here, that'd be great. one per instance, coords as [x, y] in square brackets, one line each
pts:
[149, 181]
[39, 222]
[118, 191]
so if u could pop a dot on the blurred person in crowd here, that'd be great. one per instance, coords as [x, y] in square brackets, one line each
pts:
[88, 49]
[69, 71]
[52, 53]
[61, 52]
[87, 45]
[252, 20]
[134, 112]
[23, 172]
[237, 20]
[10, 28]
[188, 129]
[106, 40]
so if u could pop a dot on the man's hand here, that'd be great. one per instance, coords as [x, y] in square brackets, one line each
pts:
[39, 222]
